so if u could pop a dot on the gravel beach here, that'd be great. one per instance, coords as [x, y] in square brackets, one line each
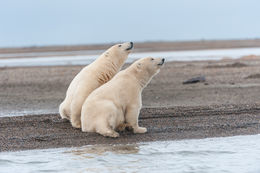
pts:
[227, 103]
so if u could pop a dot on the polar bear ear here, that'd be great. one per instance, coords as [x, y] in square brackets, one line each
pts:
[139, 66]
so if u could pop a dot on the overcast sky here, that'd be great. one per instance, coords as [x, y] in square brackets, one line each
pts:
[54, 22]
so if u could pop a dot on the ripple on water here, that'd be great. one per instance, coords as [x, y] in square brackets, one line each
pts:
[231, 154]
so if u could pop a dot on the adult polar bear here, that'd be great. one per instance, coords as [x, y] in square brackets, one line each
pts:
[90, 78]
[119, 101]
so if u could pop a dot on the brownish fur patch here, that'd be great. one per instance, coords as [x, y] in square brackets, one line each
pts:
[105, 77]
[123, 127]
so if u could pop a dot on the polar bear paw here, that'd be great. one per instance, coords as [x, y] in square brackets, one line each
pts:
[76, 125]
[113, 135]
[109, 133]
[140, 130]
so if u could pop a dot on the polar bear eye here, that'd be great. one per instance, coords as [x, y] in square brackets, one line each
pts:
[119, 45]
[152, 59]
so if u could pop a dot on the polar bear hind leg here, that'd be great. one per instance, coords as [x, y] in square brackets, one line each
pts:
[106, 124]
[105, 130]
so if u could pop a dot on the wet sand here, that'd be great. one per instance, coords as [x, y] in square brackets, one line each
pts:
[226, 104]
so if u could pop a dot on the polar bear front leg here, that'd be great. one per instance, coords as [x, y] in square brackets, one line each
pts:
[131, 117]
[76, 112]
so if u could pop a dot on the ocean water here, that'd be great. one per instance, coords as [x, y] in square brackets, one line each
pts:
[189, 55]
[238, 154]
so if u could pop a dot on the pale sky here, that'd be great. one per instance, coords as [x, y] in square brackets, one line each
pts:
[59, 22]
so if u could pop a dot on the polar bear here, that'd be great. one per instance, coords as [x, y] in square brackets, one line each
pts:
[90, 78]
[119, 101]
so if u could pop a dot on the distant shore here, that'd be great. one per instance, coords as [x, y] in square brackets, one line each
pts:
[142, 46]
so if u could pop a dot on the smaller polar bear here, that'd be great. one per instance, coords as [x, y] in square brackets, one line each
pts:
[119, 101]
[90, 78]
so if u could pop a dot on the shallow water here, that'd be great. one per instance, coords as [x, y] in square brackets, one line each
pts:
[191, 55]
[239, 154]
[27, 111]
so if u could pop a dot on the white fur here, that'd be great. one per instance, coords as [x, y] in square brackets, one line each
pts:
[119, 101]
[90, 78]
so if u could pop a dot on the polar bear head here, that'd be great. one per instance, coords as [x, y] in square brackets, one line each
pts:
[119, 51]
[146, 68]
[150, 65]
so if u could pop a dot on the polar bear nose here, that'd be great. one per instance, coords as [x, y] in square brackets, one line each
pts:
[162, 62]
[131, 46]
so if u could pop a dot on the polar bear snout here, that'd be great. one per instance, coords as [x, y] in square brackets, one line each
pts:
[162, 62]
[126, 47]
[130, 46]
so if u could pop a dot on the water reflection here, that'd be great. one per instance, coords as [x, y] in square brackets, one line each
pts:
[239, 154]
[91, 151]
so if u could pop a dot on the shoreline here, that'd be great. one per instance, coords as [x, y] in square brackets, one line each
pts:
[170, 56]
[176, 123]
